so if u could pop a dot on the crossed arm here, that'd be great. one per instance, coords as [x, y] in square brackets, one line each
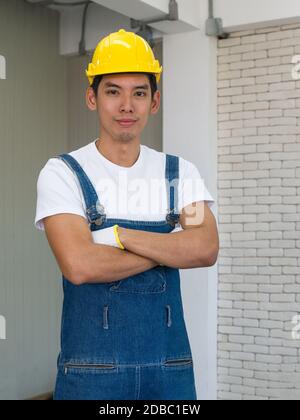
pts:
[82, 261]
[195, 246]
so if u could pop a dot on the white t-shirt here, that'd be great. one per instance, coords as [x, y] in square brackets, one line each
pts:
[135, 193]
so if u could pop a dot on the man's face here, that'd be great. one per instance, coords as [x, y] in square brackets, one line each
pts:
[124, 104]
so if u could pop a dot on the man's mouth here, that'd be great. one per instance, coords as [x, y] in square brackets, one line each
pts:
[126, 122]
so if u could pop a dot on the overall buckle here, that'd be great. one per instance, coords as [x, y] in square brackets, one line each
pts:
[172, 218]
[95, 214]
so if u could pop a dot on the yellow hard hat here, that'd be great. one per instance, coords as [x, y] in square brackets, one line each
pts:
[123, 52]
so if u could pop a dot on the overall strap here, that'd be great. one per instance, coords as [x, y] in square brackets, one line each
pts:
[172, 180]
[95, 212]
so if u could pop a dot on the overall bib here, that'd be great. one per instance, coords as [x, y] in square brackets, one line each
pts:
[127, 339]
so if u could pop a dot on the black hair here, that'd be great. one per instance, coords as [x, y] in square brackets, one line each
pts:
[152, 80]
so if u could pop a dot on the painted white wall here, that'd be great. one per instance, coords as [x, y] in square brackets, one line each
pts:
[244, 14]
[189, 101]
[233, 12]
[148, 9]
[105, 16]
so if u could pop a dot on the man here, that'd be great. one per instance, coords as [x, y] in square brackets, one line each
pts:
[123, 333]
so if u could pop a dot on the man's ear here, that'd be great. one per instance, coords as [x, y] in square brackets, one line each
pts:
[155, 102]
[91, 100]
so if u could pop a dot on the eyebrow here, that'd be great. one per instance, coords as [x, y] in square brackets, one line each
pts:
[109, 84]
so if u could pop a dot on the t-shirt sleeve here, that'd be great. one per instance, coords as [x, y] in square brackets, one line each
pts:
[191, 187]
[58, 191]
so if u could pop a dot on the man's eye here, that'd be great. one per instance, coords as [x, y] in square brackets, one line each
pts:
[113, 91]
[140, 93]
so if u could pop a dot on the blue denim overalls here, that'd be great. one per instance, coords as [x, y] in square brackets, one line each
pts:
[127, 339]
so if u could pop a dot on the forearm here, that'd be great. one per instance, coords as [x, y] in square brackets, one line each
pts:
[184, 249]
[105, 264]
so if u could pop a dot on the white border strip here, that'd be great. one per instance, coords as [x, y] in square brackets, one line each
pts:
[2, 328]
[2, 67]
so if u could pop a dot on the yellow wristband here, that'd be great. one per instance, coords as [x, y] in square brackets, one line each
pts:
[117, 237]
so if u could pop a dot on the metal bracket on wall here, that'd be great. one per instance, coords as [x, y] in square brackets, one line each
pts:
[145, 31]
[214, 26]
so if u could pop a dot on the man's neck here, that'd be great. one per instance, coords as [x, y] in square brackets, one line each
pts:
[121, 154]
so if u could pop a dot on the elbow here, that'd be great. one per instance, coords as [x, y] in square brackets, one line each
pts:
[77, 279]
[75, 274]
[208, 259]
[212, 260]
[213, 256]
[79, 276]
[214, 251]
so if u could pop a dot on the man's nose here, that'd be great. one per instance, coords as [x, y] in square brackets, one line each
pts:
[126, 103]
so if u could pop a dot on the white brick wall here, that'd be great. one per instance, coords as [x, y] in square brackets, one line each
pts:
[259, 215]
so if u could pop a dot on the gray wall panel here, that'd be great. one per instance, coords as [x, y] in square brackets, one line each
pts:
[33, 127]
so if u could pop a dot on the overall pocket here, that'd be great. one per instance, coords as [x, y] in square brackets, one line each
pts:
[178, 363]
[150, 281]
[83, 368]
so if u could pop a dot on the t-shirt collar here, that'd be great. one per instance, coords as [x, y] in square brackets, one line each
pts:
[107, 162]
